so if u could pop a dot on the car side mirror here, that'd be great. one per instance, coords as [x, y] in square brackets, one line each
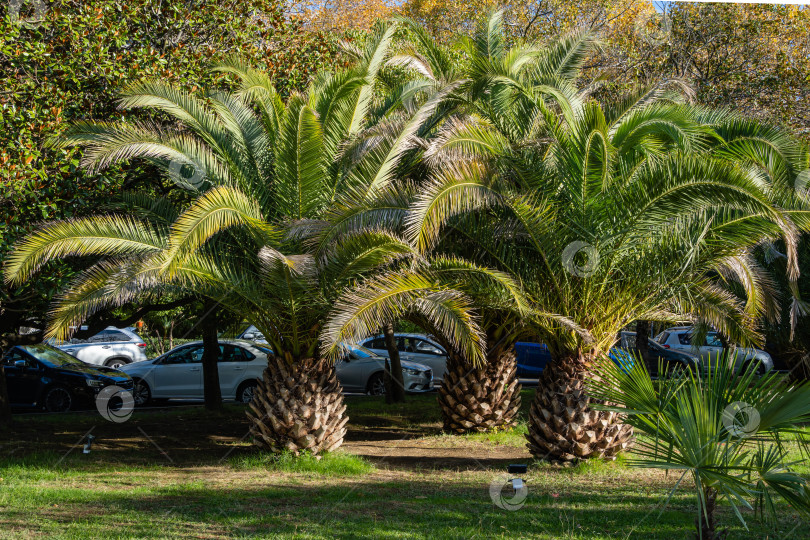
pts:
[21, 364]
[248, 336]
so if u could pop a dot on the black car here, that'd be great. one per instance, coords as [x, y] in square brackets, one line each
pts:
[40, 376]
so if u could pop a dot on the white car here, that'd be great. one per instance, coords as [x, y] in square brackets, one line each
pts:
[178, 373]
[112, 347]
[362, 370]
[679, 338]
[414, 348]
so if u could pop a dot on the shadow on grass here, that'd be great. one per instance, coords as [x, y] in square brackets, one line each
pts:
[359, 509]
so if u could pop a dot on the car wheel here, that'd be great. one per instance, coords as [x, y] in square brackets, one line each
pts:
[675, 369]
[376, 385]
[141, 393]
[760, 370]
[244, 394]
[116, 363]
[57, 399]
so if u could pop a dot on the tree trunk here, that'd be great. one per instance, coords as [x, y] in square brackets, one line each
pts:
[706, 526]
[643, 345]
[5, 406]
[298, 406]
[562, 425]
[211, 389]
[474, 399]
[395, 385]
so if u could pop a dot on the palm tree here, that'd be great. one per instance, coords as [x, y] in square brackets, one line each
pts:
[267, 177]
[606, 214]
[730, 432]
[482, 397]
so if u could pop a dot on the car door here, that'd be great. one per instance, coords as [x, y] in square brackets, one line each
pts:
[122, 345]
[431, 355]
[233, 364]
[23, 383]
[353, 373]
[681, 341]
[347, 376]
[711, 349]
[179, 374]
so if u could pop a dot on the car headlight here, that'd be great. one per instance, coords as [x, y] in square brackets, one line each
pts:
[94, 383]
[411, 371]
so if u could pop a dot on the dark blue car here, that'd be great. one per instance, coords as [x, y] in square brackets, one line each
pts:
[533, 357]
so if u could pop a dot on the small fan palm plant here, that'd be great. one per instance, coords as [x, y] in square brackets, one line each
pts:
[732, 433]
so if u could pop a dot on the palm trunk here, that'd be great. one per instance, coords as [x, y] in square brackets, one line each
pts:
[706, 526]
[394, 383]
[298, 406]
[562, 425]
[643, 345]
[5, 405]
[480, 399]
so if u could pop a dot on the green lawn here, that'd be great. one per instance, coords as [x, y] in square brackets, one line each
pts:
[181, 472]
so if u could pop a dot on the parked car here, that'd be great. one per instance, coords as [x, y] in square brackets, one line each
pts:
[671, 359]
[44, 377]
[679, 338]
[531, 359]
[178, 373]
[251, 333]
[417, 348]
[362, 370]
[112, 347]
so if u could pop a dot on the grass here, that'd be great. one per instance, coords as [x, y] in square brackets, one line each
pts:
[181, 472]
[330, 464]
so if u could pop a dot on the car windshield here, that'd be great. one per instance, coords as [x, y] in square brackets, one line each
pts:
[50, 356]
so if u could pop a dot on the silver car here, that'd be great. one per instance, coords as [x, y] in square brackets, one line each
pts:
[414, 348]
[679, 338]
[361, 370]
[178, 373]
[112, 347]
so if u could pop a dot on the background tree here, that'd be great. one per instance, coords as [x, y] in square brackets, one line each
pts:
[72, 64]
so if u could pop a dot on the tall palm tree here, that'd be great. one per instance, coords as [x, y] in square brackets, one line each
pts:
[266, 176]
[482, 397]
[608, 213]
